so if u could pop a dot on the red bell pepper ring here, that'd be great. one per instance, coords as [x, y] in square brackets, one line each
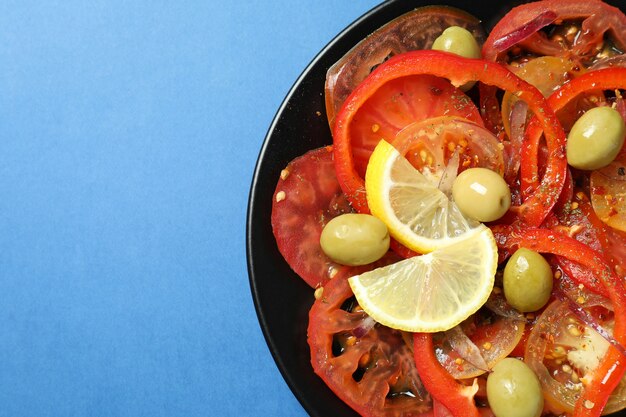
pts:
[600, 382]
[457, 398]
[459, 71]
[598, 80]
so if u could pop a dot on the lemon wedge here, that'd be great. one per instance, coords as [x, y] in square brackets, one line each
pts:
[432, 292]
[418, 214]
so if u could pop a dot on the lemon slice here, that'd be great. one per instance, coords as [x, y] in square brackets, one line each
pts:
[432, 292]
[417, 213]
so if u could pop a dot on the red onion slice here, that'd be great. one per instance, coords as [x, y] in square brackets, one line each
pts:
[366, 325]
[464, 346]
[523, 32]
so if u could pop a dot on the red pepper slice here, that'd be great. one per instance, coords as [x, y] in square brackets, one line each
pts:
[456, 397]
[598, 80]
[459, 71]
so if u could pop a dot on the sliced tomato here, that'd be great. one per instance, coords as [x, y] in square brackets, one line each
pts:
[306, 198]
[574, 29]
[414, 30]
[367, 365]
[608, 193]
[562, 350]
[492, 335]
[579, 220]
[399, 103]
[521, 26]
[429, 144]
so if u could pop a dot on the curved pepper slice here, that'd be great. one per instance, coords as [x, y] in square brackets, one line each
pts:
[459, 71]
[456, 397]
[598, 80]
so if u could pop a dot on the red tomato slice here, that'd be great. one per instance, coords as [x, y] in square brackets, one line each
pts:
[523, 31]
[521, 24]
[430, 143]
[399, 103]
[367, 365]
[494, 336]
[306, 198]
[561, 350]
[608, 193]
[414, 30]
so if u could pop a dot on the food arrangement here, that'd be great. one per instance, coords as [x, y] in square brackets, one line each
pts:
[464, 233]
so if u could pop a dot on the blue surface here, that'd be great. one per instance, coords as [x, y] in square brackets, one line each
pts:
[123, 283]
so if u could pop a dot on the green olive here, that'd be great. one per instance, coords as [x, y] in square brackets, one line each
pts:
[481, 194]
[527, 281]
[457, 40]
[513, 390]
[355, 239]
[596, 138]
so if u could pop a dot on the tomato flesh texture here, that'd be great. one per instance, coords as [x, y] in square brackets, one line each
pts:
[597, 19]
[608, 193]
[560, 351]
[306, 198]
[399, 103]
[369, 367]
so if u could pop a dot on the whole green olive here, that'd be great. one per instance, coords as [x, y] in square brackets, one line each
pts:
[595, 139]
[527, 280]
[513, 390]
[481, 194]
[459, 41]
[355, 239]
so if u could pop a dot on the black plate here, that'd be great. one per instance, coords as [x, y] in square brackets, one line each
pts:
[282, 299]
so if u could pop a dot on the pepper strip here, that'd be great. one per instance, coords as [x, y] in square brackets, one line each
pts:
[598, 80]
[456, 397]
[459, 71]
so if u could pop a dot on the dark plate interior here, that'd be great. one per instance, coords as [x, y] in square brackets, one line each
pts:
[282, 299]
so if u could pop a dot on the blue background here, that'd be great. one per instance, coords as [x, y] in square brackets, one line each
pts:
[128, 137]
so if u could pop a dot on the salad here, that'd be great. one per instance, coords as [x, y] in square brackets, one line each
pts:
[464, 234]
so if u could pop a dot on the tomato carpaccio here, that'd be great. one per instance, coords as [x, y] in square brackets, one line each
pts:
[544, 64]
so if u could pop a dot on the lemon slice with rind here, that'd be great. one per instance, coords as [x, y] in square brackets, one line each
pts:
[418, 214]
[432, 292]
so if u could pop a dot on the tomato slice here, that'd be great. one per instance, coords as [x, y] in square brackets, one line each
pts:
[520, 27]
[608, 193]
[493, 336]
[306, 198]
[561, 350]
[579, 30]
[367, 365]
[414, 30]
[429, 144]
[399, 103]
